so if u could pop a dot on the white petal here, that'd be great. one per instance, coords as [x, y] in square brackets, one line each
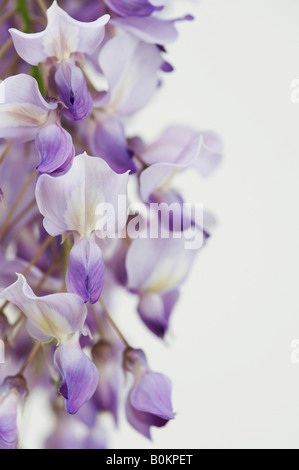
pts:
[52, 316]
[62, 37]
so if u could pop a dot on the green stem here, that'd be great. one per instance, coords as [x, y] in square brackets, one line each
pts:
[22, 8]
[37, 74]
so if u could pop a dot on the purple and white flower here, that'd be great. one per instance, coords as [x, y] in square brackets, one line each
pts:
[69, 204]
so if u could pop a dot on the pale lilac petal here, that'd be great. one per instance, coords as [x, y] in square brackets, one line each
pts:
[73, 91]
[132, 7]
[159, 175]
[155, 310]
[52, 316]
[158, 265]
[132, 79]
[30, 47]
[79, 374]
[22, 108]
[62, 37]
[174, 142]
[55, 147]
[151, 30]
[154, 177]
[86, 271]
[69, 202]
[168, 147]
[210, 154]
[110, 143]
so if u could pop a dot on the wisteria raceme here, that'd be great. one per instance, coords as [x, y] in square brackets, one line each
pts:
[73, 75]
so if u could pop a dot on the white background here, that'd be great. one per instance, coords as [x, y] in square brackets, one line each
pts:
[228, 352]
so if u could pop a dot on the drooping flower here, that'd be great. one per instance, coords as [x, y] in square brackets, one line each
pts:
[26, 116]
[79, 374]
[62, 317]
[149, 401]
[156, 267]
[69, 204]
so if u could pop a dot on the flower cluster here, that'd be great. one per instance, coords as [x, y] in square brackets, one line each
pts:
[72, 77]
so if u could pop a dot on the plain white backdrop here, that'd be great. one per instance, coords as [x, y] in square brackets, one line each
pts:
[228, 352]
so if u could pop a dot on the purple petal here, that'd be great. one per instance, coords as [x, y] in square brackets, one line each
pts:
[155, 311]
[55, 147]
[79, 374]
[110, 143]
[138, 419]
[86, 271]
[73, 91]
[142, 421]
[132, 7]
[152, 394]
[149, 403]
[167, 67]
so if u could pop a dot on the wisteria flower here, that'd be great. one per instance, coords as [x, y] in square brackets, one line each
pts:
[69, 204]
[26, 116]
[62, 317]
[149, 400]
[155, 269]
[80, 232]
[60, 44]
